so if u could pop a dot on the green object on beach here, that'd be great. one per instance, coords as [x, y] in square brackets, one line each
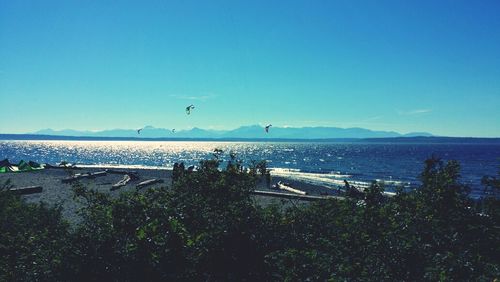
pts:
[4, 169]
[22, 166]
[35, 165]
[5, 166]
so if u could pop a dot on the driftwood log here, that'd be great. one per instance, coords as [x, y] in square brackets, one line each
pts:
[148, 182]
[62, 166]
[121, 183]
[27, 190]
[294, 196]
[131, 173]
[290, 189]
[83, 175]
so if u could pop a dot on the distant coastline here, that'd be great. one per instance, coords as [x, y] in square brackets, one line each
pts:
[417, 139]
[243, 132]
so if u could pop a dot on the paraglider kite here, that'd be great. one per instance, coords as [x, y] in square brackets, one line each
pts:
[189, 108]
[267, 128]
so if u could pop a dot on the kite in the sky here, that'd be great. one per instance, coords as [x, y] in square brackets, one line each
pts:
[189, 108]
[267, 128]
[139, 130]
[173, 130]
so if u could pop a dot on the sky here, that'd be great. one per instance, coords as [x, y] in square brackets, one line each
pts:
[407, 66]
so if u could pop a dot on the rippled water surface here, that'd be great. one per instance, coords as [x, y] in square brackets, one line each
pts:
[323, 163]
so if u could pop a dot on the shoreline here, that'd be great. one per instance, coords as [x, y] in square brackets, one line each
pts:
[57, 193]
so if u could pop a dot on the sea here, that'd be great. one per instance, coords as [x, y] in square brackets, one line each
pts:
[319, 163]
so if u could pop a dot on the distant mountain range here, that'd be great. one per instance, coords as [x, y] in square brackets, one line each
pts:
[244, 132]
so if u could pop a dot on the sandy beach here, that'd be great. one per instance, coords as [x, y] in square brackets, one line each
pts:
[55, 192]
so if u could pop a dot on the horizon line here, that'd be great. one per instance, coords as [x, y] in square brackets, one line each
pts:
[47, 137]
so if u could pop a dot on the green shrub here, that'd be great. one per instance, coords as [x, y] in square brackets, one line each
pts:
[207, 227]
[34, 240]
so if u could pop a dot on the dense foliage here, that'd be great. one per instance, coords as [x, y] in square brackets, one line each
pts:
[33, 240]
[208, 227]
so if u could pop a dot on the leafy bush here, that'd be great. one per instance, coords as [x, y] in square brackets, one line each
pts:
[207, 227]
[433, 233]
[34, 240]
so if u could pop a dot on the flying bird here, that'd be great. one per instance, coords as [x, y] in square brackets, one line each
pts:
[139, 130]
[189, 108]
[267, 128]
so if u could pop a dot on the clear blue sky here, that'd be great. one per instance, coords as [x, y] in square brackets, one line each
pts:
[386, 65]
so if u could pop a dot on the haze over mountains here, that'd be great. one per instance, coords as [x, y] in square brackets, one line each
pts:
[250, 132]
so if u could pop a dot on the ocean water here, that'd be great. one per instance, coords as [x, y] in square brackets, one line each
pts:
[326, 164]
